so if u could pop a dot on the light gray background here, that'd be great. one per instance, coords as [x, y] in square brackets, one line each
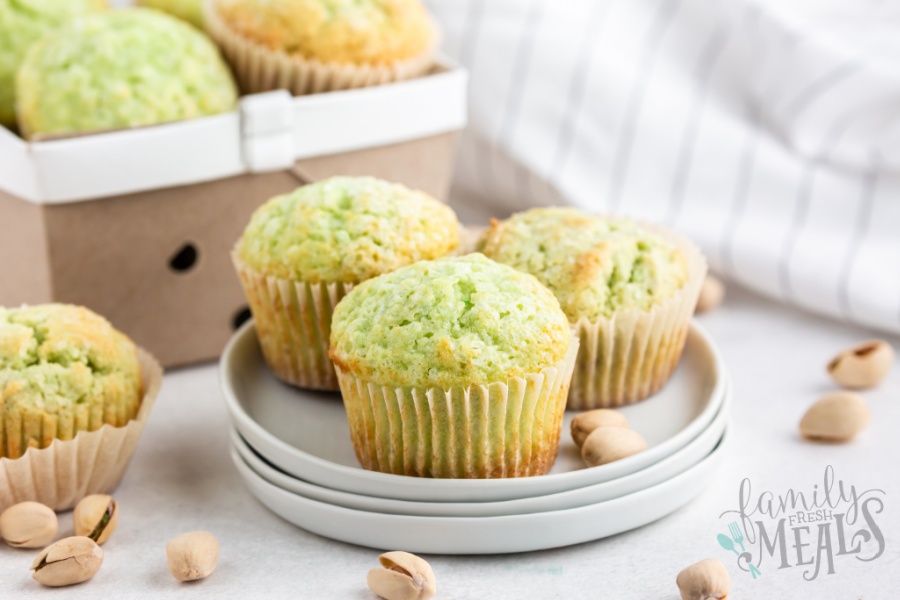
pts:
[182, 479]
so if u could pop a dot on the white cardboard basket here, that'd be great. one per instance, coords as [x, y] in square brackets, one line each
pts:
[267, 132]
[99, 219]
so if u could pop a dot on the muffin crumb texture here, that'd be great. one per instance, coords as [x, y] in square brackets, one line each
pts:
[22, 23]
[118, 69]
[371, 32]
[595, 266]
[63, 369]
[346, 229]
[448, 322]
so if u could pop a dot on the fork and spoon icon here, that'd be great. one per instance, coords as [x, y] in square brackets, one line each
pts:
[737, 537]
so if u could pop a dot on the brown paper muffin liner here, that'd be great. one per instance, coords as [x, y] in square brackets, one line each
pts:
[504, 429]
[293, 324]
[260, 69]
[93, 462]
[630, 356]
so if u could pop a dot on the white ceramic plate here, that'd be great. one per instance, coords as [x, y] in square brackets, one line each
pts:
[665, 469]
[485, 535]
[305, 433]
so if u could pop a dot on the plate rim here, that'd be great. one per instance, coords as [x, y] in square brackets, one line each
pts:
[718, 425]
[416, 488]
[426, 545]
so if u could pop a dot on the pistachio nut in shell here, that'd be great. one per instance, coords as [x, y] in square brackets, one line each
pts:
[193, 555]
[403, 576]
[96, 517]
[836, 417]
[705, 580]
[609, 444]
[862, 366]
[585, 422]
[28, 525]
[67, 562]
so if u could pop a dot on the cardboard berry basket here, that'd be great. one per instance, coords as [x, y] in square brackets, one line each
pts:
[138, 224]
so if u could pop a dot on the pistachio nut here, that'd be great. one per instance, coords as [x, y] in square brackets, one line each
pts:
[836, 417]
[862, 366]
[403, 576]
[67, 562]
[586, 422]
[28, 525]
[712, 292]
[96, 517]
[192, 555]
[609, 444]
[705, 580]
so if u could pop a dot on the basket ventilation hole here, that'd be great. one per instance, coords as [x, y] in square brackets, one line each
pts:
[184, 259]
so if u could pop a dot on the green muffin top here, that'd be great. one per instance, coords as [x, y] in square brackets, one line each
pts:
[54, 357]
[346, 229]
[595, 266]
[447, 322]
[121, 68]
[22, 23]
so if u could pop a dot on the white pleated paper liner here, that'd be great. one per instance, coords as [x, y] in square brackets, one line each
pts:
[93, 462]
[293, 322]
[631, 355]
[503, 429]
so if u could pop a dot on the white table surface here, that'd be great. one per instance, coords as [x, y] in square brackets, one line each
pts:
[182, 479]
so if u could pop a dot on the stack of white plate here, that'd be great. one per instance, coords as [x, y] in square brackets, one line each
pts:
[292, 448]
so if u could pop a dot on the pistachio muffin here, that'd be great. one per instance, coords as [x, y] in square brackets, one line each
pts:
[309, 46]
[186, 10]
[117, 69]
[303, 251]
[457, 367]
[22, 23]
[627, 290]
[63, 369]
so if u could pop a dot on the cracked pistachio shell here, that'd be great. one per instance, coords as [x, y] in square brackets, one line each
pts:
[705, 580]
[28, 525]
[609, 444]
[403, 576]
[584, 423]
[96, 517]
[837, 417]
[863, 366]
[192, 555]
[712, 292]
[67, 562]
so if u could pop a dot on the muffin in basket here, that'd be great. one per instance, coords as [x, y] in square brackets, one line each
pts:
[311, 46]
[22, 23]
[303, 251]
[629, 291]
[118, 69]
[65, 374]
[456, 368]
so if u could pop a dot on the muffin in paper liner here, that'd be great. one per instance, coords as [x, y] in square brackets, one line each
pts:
[293, 322]
[260, 69]
[93, 462]
[54, 100]
[497, 430]
[631, 355]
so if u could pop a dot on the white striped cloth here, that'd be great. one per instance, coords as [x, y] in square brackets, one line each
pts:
[769, 136]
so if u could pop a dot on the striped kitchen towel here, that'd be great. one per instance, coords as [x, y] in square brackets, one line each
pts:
[767, 131]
